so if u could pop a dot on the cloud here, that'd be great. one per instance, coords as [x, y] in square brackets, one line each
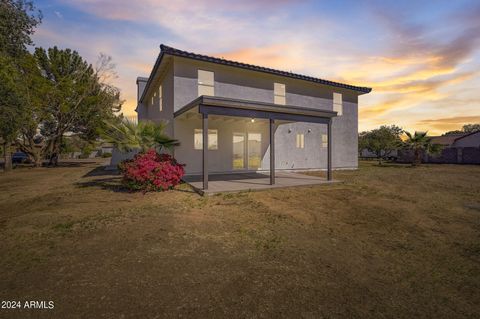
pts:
[417, 61]
[449, 123]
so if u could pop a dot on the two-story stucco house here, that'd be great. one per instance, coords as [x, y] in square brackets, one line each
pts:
[237, 117]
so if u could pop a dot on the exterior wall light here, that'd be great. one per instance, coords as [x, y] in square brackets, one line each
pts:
[252, 120]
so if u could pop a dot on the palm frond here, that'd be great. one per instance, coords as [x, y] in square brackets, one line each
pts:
[128, 136]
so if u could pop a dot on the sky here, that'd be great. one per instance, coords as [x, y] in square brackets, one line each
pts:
[422, 58]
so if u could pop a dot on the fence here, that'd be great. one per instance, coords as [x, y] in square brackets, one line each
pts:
[450, 155]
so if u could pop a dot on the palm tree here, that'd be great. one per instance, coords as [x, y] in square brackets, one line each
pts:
[421, 144]
[128, 136]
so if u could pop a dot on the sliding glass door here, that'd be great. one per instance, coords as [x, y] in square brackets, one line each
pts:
[254, 150]
[238, 150]
[247, 151]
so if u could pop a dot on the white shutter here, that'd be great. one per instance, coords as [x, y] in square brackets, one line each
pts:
[206, 83]
[338, 103]
[279, 93]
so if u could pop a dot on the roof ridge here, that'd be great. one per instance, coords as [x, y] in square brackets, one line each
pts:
[173, 51]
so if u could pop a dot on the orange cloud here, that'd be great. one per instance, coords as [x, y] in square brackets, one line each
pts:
[274, 56]
[449, 123]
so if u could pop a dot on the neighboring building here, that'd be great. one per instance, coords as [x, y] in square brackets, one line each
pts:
[457, 149]
[241, 106]
[468, 140]
[446, 140]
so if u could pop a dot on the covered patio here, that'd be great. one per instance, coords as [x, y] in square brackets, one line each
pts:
[274, 114]
[237, 182]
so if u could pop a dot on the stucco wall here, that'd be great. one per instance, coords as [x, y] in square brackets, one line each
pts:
[141, 110]
[153, 112]
[220, 160]
[287, 155]
[242, 84]
[472, 140]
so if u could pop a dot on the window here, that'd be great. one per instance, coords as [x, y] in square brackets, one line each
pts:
[238, 151]
[279, 93]
[254, 148]
[324, 140]
[160, 98]
[337, 103]
[300, 140]
[152, 100]
[212, 139]
[206, 83]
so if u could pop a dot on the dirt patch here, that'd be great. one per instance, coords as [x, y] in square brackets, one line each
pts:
[389, 242]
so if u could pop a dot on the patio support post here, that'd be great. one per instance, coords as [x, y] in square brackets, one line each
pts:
[205, 150]
[272, 151]
[329, 151]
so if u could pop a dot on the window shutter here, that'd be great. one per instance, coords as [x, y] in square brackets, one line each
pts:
[206, 83]
[279, 93]
[338, 103]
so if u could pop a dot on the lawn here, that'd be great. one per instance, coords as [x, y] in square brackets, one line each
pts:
[394, 242]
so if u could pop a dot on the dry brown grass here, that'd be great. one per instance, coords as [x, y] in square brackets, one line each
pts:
[393, 241]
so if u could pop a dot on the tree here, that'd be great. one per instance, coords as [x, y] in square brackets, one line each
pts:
[467, 128]
[128, 136]
[18, 20]
[470, 128]
[74, 97]
[11, 104]
[382, 141]
[420, 144]
[362, 142]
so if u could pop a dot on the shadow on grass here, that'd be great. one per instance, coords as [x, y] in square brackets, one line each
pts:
[397, 165]
[111, 180]
[101, 171]
[363, 163]
[110, 183]
[184, 188]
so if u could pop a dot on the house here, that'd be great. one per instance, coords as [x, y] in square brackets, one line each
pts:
[462, 148]
[446, 140]
[236, 117]
[468, 140]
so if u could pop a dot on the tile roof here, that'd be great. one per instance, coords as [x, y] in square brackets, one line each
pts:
[164, 49]
[176, 52]
[446, 139]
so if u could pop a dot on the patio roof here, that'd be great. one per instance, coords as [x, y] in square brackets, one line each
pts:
[246, 108]
[214, 105]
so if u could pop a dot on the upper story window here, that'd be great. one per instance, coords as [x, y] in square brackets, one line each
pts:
[206, 83]
[337, 103]
[279, 93]
[160, 98]
[300, 140]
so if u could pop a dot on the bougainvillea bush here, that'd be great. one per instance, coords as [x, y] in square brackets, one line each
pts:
[150, 171]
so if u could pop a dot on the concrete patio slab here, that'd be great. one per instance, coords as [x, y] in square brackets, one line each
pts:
[220, 183]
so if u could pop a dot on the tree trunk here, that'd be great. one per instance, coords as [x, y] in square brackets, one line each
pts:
[416, 158]
[8, 156]
[37, 159]
[55, 151]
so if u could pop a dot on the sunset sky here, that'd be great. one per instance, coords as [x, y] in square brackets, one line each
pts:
[422, 58]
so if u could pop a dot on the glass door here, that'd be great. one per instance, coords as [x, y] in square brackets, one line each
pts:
[254, 150]
[238, 151]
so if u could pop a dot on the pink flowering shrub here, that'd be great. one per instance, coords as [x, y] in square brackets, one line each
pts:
[151, 171]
